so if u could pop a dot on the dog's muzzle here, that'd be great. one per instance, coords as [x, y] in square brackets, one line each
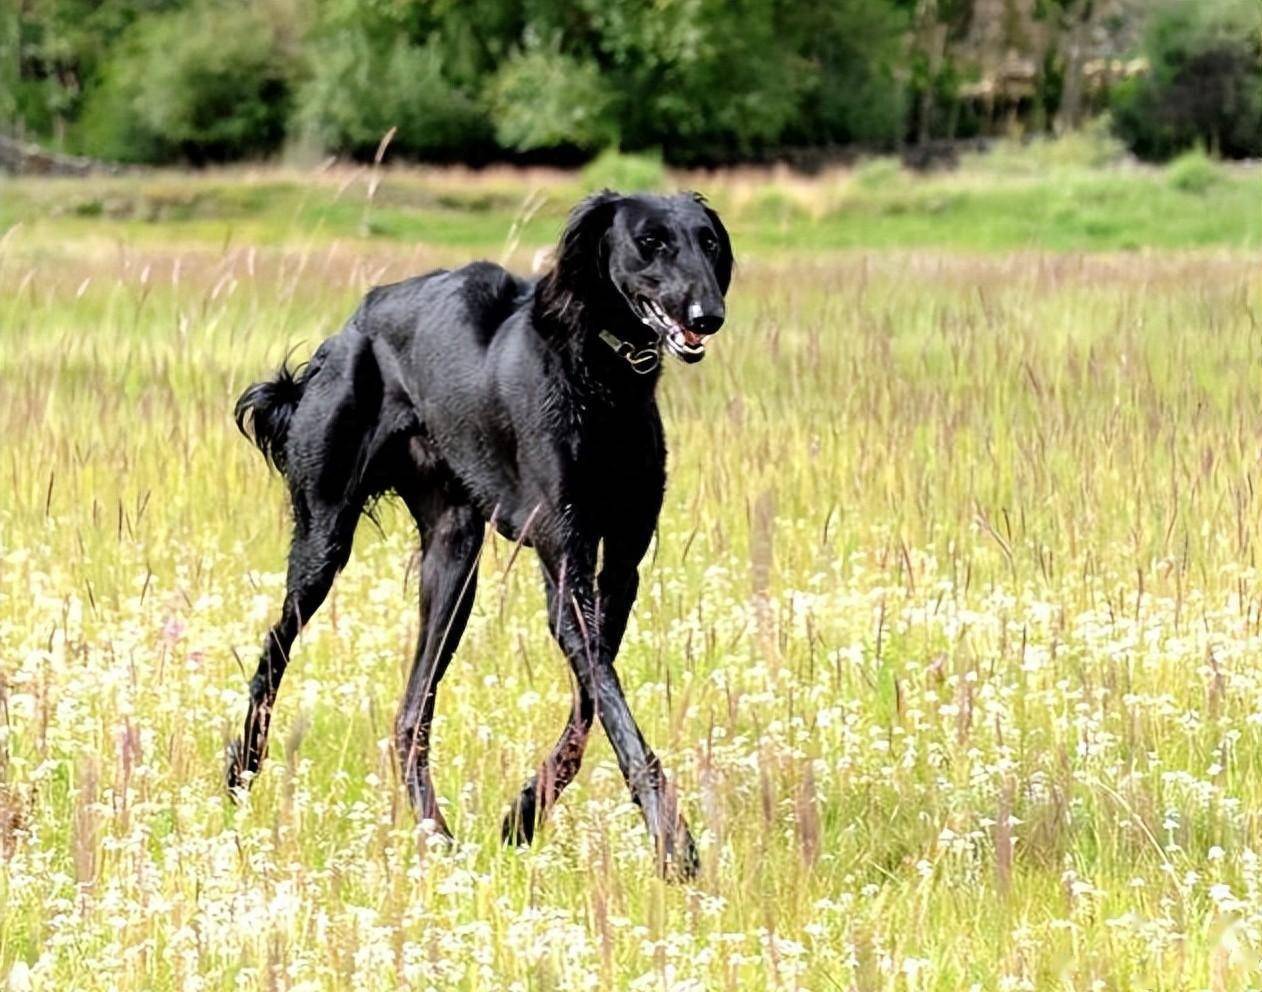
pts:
[687, 343]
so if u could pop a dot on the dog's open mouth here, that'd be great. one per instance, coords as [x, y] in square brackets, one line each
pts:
[686, 345]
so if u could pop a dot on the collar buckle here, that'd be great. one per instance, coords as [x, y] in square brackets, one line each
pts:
[642, 360]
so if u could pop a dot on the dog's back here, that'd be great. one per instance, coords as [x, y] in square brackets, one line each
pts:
[479, 297]
[437, 322]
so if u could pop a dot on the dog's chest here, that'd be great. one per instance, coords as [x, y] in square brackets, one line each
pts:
[616, 452]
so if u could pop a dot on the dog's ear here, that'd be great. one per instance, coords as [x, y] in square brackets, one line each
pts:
[579, 266]
[725, 260]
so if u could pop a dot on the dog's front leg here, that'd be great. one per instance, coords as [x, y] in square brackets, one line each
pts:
[616, 594]
[576, 621]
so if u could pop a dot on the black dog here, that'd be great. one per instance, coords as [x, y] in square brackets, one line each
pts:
[480, 397]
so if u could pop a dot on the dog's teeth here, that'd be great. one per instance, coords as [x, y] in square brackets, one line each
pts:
[679, 344]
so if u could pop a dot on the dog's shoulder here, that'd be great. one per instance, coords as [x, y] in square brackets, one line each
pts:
[491, 294]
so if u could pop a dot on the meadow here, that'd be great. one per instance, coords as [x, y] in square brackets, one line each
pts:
[949, 638]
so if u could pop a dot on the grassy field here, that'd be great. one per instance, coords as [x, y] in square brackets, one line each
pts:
[1048, 196]
[949, 639]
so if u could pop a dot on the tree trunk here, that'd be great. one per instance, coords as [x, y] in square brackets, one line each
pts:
[931, 38]
[1073, 56]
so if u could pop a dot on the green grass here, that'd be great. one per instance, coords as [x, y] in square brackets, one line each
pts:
[948, 640]
[1015, 199]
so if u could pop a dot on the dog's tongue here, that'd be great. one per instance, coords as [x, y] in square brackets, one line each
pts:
[691, 339]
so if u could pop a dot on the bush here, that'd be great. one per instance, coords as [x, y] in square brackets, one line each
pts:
[1194, 172]
[879, 174]
[207, 83]
[359, 87]
[612, 169]
[1090, 147]
[541, 98]
[1204, 83]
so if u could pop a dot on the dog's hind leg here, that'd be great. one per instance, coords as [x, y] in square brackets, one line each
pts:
[321, 546]
[320, 431]
[451, 540]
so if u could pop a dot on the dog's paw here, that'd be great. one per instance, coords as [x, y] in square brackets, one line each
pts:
[518, 829]
[677, 857]
[236, 778]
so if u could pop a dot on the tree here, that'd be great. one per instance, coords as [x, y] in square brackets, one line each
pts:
[206, 83]
[543, 98]
[854, 84]
[1203, 85]
[360, 84]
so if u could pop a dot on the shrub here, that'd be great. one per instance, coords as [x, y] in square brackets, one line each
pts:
[1194, 172]
[779, 206]
[879, 174]
[1089, 147]
[207, 83]
[612, 169]
[359, 87]
[542, 98]
[1204, 83]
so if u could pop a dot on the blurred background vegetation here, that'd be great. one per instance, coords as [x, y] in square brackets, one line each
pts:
[702, 82]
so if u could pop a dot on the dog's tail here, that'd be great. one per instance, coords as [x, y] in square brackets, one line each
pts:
[264, 410]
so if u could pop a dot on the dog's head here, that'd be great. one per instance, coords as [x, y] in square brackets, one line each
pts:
[654, 268]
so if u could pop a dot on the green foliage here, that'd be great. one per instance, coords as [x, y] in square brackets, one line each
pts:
[715, 80]
[777, 209]
[10, 65]
[207, 83]
[705, 81]
[51, 51]
[854, 91]
[878, 174]
[542, 98]
[612, 169]
[1194, 172]
[1092, 147]
[1204, 84]
[359, 87]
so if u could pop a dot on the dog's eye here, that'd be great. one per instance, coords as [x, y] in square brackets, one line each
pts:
[650, 244]
[709, 244]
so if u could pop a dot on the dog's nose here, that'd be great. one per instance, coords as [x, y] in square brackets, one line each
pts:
[700, 322]
[707, 324]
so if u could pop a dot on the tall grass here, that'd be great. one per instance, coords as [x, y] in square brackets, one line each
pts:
[948, 638]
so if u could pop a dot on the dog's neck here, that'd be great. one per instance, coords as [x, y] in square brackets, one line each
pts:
[642, 360]
[603, 341]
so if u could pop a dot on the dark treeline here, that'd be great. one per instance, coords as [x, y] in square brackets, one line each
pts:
[704, 81]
